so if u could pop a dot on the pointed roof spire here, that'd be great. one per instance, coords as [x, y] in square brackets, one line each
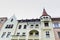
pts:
[44, 13]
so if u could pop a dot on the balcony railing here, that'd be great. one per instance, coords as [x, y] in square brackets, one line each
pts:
[18, 37]
[33, 37]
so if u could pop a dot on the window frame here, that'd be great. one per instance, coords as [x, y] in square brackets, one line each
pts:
[59, 34]
[25, 26]
[8, 34]
[19, 26]
[9, 26]
[47, 34]
[46, 24]
[56, 24]
[3, 34]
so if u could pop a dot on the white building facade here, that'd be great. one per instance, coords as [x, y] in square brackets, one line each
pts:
[29, 29]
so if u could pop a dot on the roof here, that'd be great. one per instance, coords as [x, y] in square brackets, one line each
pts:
[29, 20]
[55, 19]
[44, 13]
[37, 20]
[3, 17]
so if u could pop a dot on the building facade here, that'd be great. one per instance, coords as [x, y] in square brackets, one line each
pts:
[30, 29]
[56, 27]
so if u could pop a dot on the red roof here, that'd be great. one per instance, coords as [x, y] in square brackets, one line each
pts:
[55, 19]
[44, 13]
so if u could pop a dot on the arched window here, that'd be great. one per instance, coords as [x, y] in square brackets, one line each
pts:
[33, 33]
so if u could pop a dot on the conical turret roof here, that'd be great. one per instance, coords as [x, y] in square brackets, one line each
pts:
[44, 13]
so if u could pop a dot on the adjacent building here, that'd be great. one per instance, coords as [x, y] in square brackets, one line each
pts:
[8, 28]
[56, 27]
[2, 21]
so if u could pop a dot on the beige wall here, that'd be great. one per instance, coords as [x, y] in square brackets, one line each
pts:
[56, 30]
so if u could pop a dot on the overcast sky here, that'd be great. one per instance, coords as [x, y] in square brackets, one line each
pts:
[28, 9]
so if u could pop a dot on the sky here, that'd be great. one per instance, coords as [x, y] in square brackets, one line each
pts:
[29, 9]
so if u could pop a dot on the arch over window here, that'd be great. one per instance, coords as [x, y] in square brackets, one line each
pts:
[34, 33]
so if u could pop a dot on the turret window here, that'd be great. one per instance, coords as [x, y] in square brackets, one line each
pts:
[47, 34]
[46, 24]
[45, 17]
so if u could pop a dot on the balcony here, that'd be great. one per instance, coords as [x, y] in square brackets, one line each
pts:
[33, 34]
[33, 37]
[18, 37]
[45, 28]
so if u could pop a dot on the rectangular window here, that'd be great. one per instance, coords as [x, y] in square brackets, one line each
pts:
[11, 20]
[9, 26]
[37, 25]
[23, 34]
[32, 25]
[18, 34]
[59, 34]
[3, 34]
[20, 26]
[56, 24]
[46, 23]
[8, 34]
[25, 26]
[47, 34]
